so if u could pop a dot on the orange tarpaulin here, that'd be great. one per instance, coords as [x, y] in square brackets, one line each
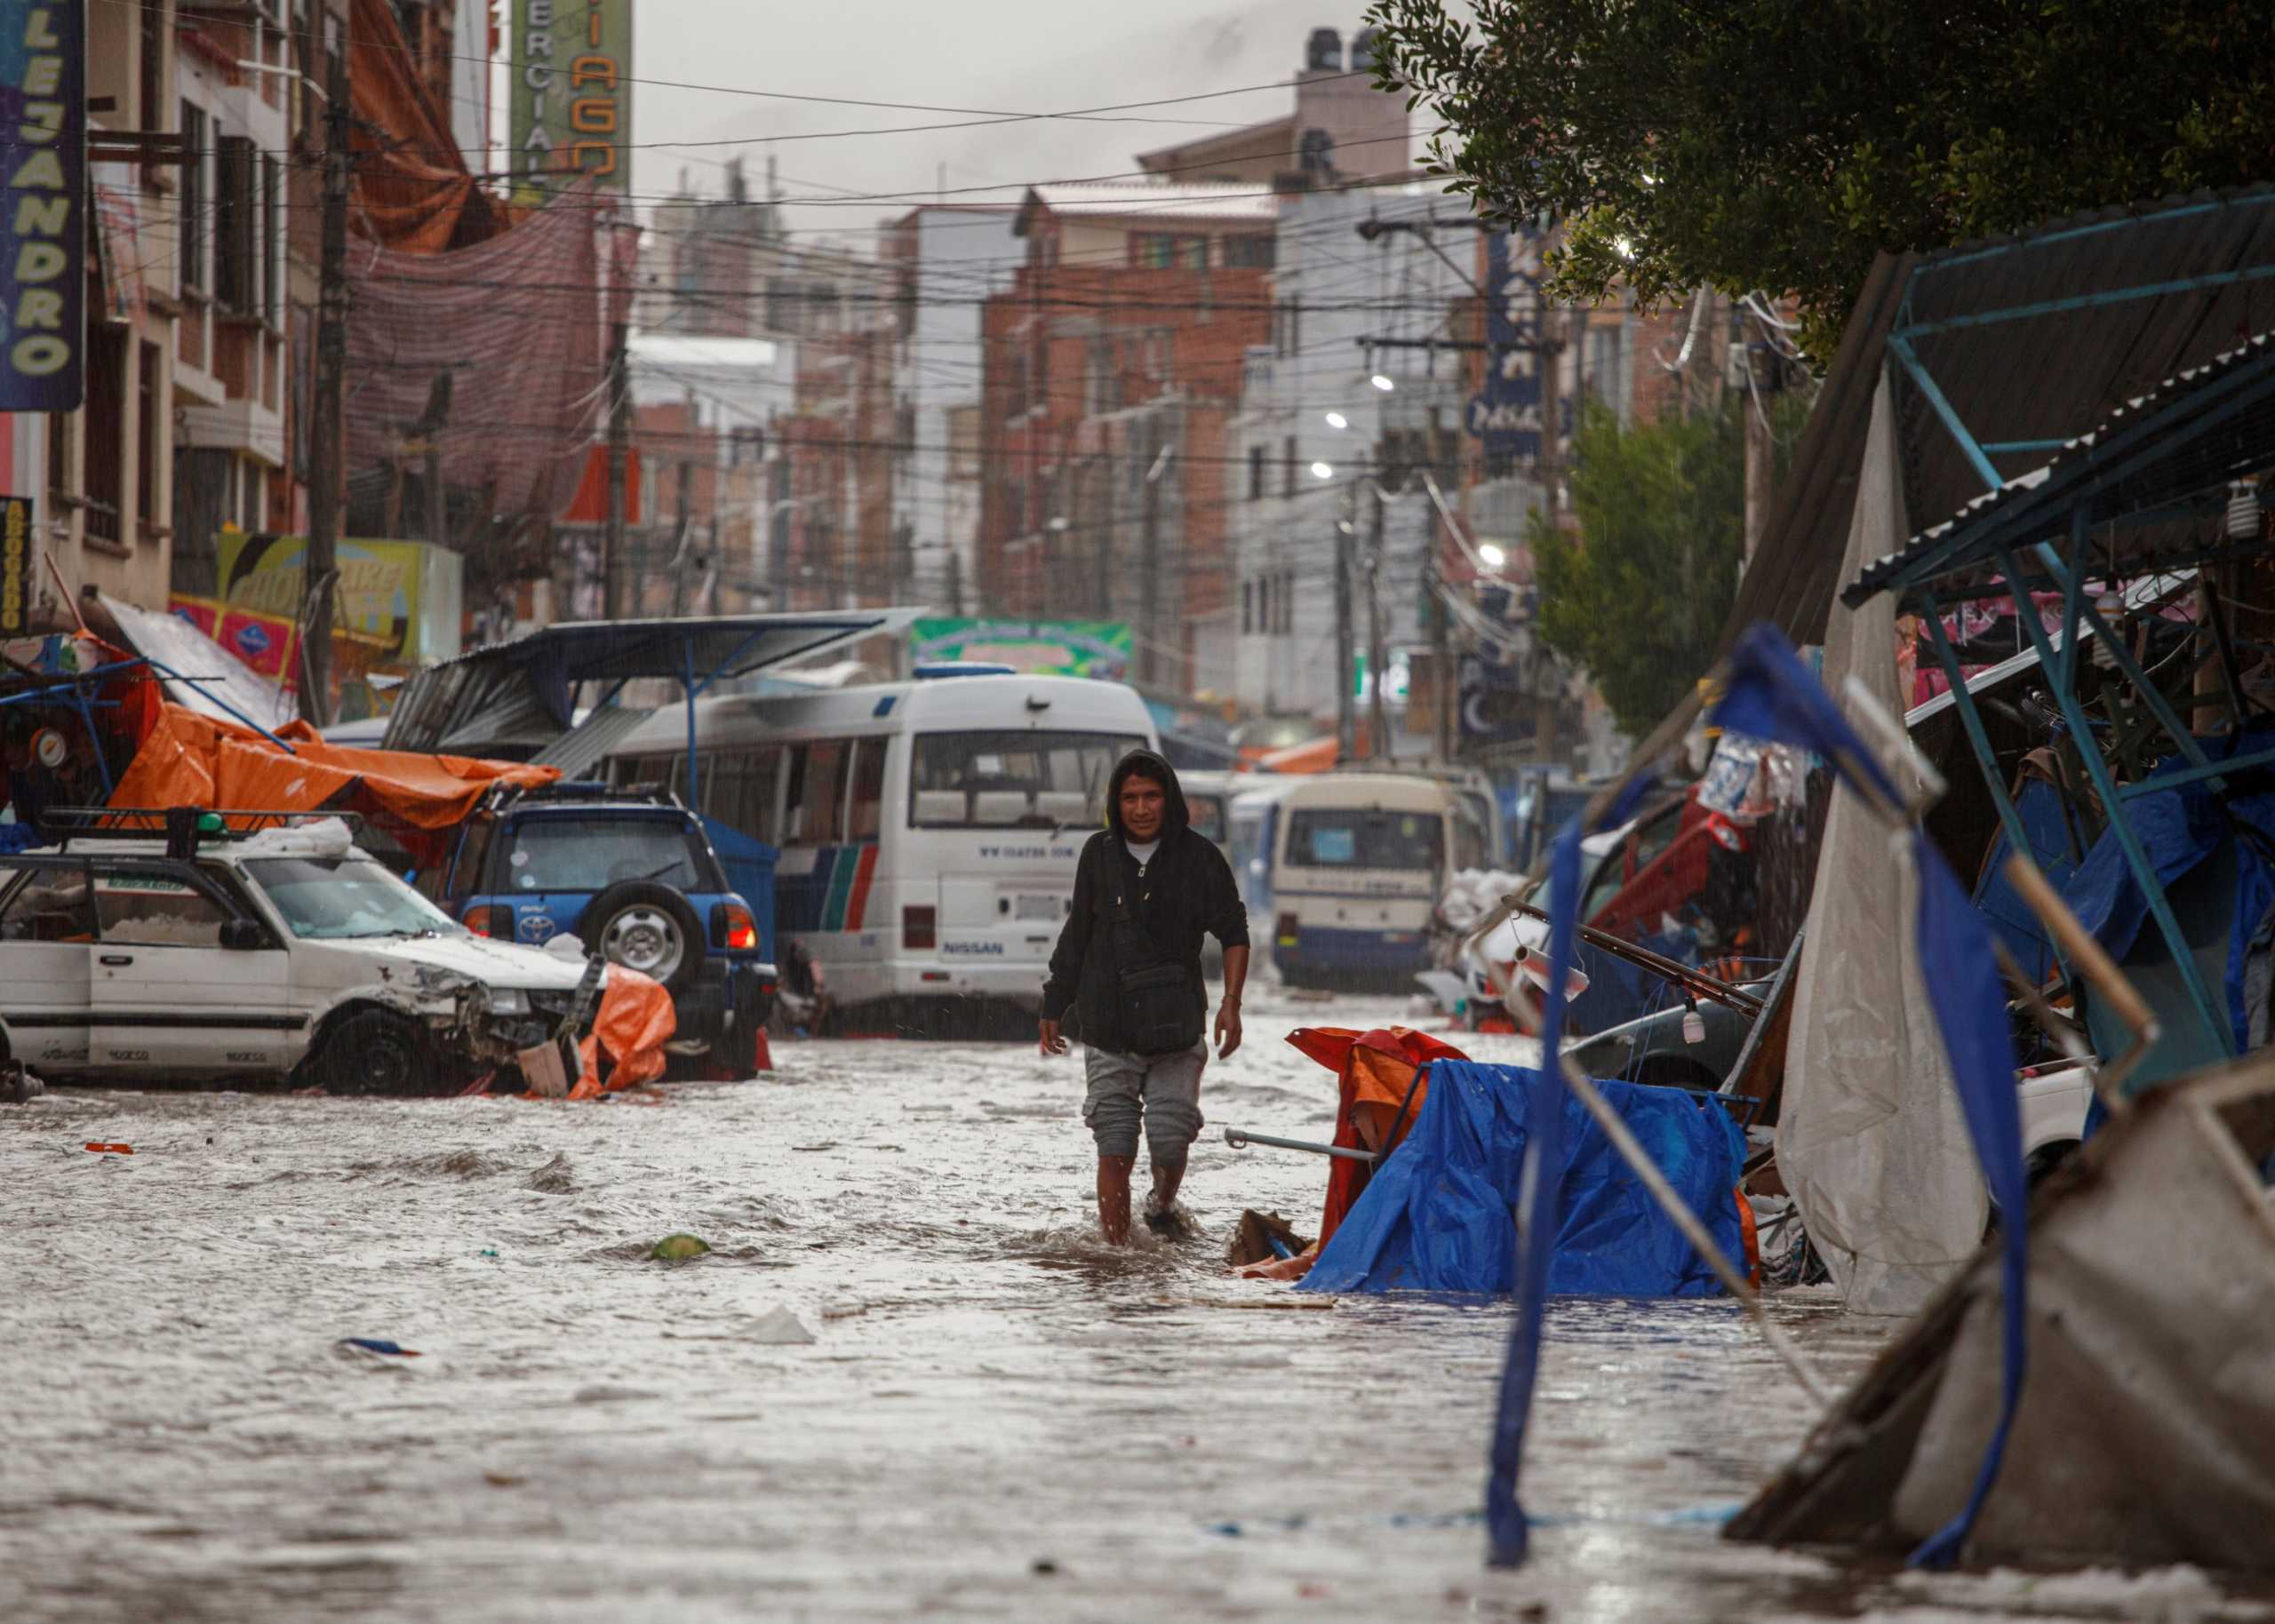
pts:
[191, 760]
[1374, 1068]
[635, 1020]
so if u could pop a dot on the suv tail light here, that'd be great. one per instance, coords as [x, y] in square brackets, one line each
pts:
[919, 928]
[1286, 930]
[491, 920]
[732, 928]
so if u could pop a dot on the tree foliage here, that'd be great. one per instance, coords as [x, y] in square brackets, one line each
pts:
[1778, 144]
[1638, 596]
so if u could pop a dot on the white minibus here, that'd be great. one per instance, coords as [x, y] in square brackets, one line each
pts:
[1359, 861]
[926, 832]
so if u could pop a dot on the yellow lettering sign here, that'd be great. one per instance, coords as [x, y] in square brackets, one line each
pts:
[592, 71]
[42, 168]
[40, 308]
[41, 74]
[39, 355]
[43, 217]
[592, 117]
[40, 262]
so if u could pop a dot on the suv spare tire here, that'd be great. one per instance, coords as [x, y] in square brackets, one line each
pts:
[648, 928]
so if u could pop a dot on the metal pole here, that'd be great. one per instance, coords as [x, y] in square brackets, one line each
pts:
[1345, 656]
[619, 446]
[1149, 569]
[1378, 656]
[322, 566]
[1441, 651]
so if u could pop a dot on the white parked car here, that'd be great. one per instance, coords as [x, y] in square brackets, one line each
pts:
[282, 953]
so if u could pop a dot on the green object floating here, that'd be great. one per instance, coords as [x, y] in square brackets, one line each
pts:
[679, 1248]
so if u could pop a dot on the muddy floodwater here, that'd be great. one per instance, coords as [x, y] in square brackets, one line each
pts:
[995, 1417]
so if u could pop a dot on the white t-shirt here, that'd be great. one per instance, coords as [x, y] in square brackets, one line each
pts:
[1143, 854]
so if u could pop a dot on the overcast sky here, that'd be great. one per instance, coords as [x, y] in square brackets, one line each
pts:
[1007, 55]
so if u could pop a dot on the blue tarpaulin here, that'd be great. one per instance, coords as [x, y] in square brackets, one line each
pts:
[1437, 1216]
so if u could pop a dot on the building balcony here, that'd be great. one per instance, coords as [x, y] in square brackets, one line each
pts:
[241, 425]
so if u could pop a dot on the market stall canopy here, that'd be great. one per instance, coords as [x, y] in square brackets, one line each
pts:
[516, 699]
[2001, 352]
[2155, 472]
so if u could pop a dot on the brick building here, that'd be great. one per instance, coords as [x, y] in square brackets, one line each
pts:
[1111, 369]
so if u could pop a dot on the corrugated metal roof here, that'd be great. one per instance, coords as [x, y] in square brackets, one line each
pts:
[2189, 458]
[2034, 338]
[579, 751]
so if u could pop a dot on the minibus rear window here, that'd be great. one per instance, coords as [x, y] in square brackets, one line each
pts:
[1012, 779]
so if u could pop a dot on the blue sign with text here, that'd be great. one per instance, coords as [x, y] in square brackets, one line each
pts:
[43, 227]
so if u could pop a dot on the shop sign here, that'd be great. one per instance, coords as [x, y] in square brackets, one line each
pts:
[44, 225]
[570, 115]
[16, 564]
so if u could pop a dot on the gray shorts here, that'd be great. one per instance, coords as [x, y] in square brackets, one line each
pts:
[1164, 1091]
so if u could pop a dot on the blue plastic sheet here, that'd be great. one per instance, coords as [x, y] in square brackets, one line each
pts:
[2046, 826]
[1436, 1217]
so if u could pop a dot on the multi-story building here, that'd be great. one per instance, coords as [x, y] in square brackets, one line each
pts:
[1346, 400]
[947, 260]
[236, 96]
[1112, 367]
[1341, 127]
[105, 470]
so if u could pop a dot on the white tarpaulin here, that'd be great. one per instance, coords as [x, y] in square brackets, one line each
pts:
[1870, 1139]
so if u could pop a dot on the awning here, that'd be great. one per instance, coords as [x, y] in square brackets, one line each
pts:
[516, 689]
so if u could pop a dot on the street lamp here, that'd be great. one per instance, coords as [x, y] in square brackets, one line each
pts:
[1382, 381]
[1335, 419]
[1322, 471]
[1493, 557]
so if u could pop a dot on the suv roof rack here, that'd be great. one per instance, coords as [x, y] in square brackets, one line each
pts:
[183, 828]
[591, 790]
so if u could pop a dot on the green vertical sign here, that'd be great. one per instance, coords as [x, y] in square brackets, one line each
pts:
[571, 115]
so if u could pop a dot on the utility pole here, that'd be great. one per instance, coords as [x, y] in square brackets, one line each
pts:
[1103, 589]
[320, 570]
[619, 446]
[1378, 656]
[1345, 654]
[682, 531]
[955, 582]
[1149, 570]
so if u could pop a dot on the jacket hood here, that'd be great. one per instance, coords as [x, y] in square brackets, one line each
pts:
[1146, 764]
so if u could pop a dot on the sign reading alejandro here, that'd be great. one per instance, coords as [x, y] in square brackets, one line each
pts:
[1505, 413]
[42, 222]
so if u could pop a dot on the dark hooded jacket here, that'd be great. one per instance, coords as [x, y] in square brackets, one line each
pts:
[1186, 892]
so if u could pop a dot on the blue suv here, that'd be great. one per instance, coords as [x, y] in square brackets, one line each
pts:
[633, 875]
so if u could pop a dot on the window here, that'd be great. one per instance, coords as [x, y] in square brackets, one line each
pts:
[1288, 467]
[1247, 607]
[1264, 603]
[1252, 251]
[1162, 251]
[1256, 457]
[151, 92]
[271, 212]
[1355, 837]
[1207, 814]
[102, 474]
[866, 808]
[466, 875]
[146, 439]
[330, 899]
[236, 208]
[194, 226]
[147, 909]
[51, 905]
[572, 852]
[817, 781]
[1028, 780]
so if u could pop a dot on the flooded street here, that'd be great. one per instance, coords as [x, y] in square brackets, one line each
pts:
[995, 1417]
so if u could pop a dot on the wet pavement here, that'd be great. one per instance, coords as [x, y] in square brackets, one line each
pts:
[997, 1416]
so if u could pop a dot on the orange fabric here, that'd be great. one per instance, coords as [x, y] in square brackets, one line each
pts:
[412, 189]
[189, 760]
[1374, 1068]
[635, 1020]
[1752, 1237]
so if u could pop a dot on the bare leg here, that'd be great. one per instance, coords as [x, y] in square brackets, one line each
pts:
[1113, 1198]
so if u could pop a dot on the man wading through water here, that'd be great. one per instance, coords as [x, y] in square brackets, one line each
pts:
[1129, 964]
